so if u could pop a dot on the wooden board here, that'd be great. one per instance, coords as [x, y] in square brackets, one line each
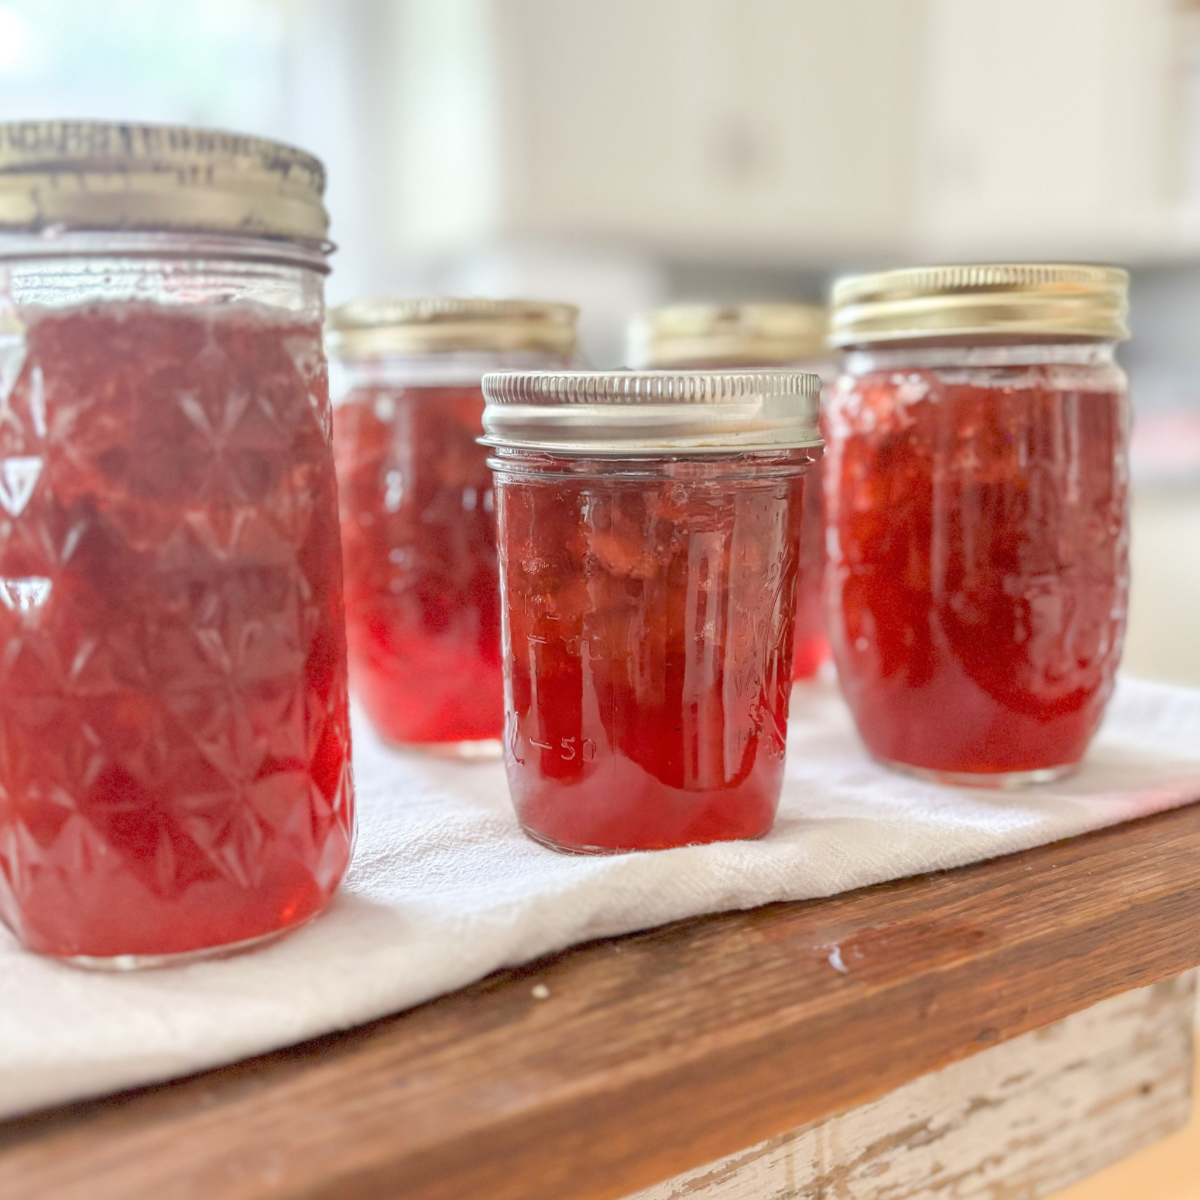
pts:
[653, 1054]
[1020, 1119]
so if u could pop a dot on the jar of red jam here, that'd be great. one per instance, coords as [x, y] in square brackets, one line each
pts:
[174, 747]
[977, 494]
[649, 534]
[748, 336]
[418, 511]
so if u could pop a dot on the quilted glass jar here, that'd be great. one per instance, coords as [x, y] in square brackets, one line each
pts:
[649, 533]
[418, 512]
[977, 495]
[715, 337]
[174, 742]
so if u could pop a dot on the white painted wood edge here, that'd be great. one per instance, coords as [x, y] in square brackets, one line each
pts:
[1014, 1122]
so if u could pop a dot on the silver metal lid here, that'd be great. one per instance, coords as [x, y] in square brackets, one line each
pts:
[631, 413]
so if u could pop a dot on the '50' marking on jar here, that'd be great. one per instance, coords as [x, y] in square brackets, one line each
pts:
[569, 749]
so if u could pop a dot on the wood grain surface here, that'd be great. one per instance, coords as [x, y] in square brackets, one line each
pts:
[620, 1064]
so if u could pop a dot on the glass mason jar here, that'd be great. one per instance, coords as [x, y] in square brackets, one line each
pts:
[977, 495]
[649, 531]
[175, 776]
[418, 513]
[747, 337]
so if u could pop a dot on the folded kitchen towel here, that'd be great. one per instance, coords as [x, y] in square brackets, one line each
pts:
[444, 889]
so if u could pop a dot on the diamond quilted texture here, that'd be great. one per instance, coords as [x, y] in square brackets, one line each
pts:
[18, 477]
[174, 737]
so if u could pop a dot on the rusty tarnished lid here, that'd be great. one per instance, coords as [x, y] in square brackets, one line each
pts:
[368, 328]
[93, 175]
[728, 335]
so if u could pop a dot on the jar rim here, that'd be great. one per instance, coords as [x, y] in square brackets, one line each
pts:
[984, 300]
[753, 464]
[938, 355]
[629, 413]
[175, 244]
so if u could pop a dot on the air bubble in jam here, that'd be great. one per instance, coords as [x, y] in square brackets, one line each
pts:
[174, 740]
[980, 569]
[422, 588]
[649, 641]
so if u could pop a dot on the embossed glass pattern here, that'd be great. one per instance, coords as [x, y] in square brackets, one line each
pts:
[174, 744]
[649, 609]
[978, 510]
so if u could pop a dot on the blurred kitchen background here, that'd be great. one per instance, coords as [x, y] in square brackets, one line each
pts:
[623, 153]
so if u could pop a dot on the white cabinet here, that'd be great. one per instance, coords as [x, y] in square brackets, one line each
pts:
[776, 130]
[748, 127]
[1052, 128]
[801, 133]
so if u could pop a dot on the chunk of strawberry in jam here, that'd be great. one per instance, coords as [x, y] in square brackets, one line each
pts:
[174, 738]
[422, 585]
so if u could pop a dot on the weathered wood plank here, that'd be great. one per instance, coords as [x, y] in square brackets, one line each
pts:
[653, 1054]
[1021, 1119]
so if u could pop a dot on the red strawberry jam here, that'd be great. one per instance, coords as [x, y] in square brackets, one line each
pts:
[650, 621]
[812, 643]
[174, 745]
[422, 591]
[979, 560]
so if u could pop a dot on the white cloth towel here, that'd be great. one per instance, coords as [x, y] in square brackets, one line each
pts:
[444, 889]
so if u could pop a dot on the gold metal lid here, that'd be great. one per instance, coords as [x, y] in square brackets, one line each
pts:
[371, 328]
[985, 300]
[102, 176]
[715, 334]
[632, 413]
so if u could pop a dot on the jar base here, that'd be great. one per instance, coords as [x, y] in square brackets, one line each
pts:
[479, 750]
[563, 848]
[152, 962]
[1000, 781]
[596, 851]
